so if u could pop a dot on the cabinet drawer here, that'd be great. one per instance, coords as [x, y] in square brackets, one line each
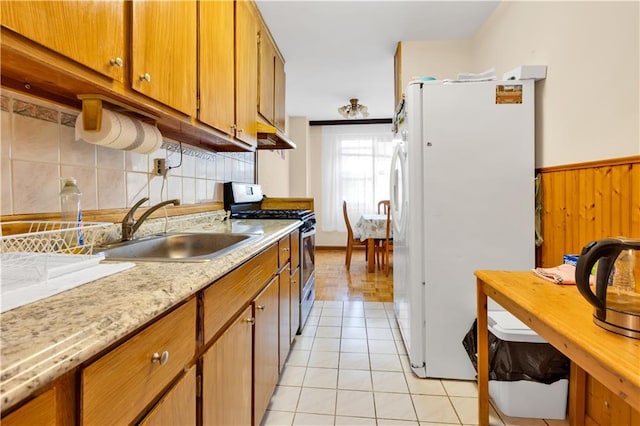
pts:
[119, 385]
[225, 297]
[284, 251]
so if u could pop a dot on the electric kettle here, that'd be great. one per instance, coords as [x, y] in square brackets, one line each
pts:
[617, 291]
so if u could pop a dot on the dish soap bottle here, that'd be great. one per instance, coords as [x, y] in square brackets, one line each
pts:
[71, 213]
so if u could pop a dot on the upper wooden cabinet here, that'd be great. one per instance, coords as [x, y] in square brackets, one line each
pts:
[271, 83]
[279, 99]
[397, 75]
[89, 32]
[163, 52]
[246, 32]
[216, 65]
[266, 75]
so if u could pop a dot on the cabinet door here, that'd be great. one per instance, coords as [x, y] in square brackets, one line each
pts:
[295, 249]
[266, 76]
[279, 113]
[265, 360]
[39, 411]
[285, 316]
[178, 407]
[246, 72]
[295, 302]
[226, 375]
[217, 97]
[90, 32]
[163, 39]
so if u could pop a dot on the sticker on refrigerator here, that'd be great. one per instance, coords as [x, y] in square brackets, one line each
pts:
[509, 94]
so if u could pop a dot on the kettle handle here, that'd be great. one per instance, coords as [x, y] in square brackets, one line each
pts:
[606, 251]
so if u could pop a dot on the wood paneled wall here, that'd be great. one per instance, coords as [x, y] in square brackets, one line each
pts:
[585, 202]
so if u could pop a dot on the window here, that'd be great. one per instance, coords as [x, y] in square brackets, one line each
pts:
[356, 161]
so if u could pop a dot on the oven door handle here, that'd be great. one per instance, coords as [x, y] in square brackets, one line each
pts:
[308, 233]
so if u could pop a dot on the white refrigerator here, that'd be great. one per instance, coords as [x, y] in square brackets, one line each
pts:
[462, 199]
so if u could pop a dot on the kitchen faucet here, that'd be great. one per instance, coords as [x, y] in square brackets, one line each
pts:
[129, 223]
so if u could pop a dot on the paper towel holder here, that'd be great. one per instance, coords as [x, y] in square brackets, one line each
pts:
[92, 111]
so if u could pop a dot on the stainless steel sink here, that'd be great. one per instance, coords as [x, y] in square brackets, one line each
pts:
[176, 247]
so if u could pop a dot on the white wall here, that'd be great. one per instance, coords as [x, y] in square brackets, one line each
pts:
[273, 172]
[300, 157]
[588, 106]
[439, 59]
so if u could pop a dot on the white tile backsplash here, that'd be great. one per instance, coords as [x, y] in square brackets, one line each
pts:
[34, 189]
[86, 175]
[35, 139]
[112, 189]
[38, 147]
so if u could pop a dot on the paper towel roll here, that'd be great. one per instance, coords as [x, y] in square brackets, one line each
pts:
[119, 131]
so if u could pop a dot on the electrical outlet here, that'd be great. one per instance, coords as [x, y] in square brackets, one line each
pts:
[159, 166]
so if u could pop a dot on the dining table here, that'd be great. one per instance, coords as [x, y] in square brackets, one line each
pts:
[371, 227]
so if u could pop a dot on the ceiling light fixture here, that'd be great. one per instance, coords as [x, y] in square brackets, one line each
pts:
[353, 110]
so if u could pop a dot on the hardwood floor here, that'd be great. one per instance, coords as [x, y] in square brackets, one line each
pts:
[334, 282]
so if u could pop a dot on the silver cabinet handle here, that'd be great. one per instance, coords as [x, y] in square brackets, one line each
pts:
[145, 77]
[250, 320]
[285, 249]
[260, 307]
[162, 359]
[239, 130]
[116, 62]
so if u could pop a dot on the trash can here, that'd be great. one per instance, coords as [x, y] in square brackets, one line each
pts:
[527, 376]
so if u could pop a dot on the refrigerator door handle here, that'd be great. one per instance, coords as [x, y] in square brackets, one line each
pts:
[398, 190]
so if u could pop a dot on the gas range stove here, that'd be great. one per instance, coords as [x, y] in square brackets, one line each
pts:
[244, 201]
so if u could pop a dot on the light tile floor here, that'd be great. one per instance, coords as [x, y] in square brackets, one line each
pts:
[349, 367]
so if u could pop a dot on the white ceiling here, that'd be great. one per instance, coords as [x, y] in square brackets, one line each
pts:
[337, 50]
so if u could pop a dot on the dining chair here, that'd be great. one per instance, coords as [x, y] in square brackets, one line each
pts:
[352, 239]
[385, 246]
[384, 206]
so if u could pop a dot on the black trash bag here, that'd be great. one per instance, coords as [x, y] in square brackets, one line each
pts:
[511, 361]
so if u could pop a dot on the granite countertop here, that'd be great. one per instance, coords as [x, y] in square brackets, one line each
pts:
[43, 340]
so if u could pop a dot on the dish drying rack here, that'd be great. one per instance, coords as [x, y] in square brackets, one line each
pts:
[45, 249]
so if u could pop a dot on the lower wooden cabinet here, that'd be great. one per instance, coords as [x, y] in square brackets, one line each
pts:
[265, 350]
[178, 406]
[226, 375]
[284, 307]
[118, 387]
[39, 411]
[294, 285]
[248, 319]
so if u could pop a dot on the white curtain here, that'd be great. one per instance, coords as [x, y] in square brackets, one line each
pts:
[356, 161]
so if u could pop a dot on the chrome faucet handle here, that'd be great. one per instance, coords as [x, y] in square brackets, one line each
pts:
[129, 220]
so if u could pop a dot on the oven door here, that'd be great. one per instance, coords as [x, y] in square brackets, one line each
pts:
[308, 274]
